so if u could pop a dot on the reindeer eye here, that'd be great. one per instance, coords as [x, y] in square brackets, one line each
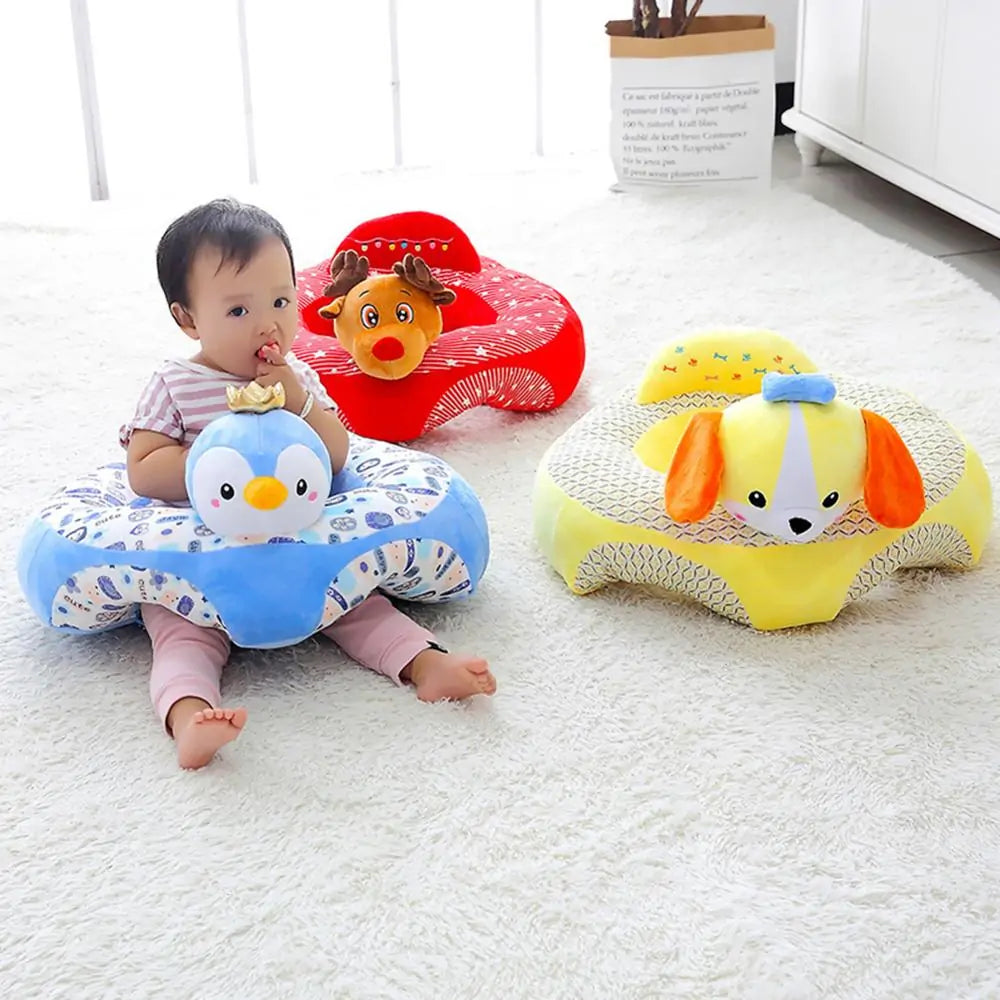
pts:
[404, 313]
[369, 316]
[830, 500]
[757, 499]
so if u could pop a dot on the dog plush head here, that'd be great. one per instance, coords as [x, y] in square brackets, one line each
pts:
[791, 460]
[387, 322]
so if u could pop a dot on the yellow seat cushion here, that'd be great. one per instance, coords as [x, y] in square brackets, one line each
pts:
[600, 514]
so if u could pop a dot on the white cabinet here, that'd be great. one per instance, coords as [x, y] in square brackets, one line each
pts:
[909, 89]
[968, 139]
[900, 77]
[830, 82]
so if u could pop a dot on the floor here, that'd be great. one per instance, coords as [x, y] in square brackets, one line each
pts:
[658, 802]
[893, 212]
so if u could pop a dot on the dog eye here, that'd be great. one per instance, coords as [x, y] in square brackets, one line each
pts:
[830, 500]
[757, 499]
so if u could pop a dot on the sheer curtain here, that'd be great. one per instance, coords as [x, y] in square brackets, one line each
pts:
[170, 89]
[42, 145]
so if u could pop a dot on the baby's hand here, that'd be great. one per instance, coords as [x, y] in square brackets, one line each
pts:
[272, 368]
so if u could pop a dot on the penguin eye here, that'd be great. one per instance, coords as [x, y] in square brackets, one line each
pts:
[830, 500]
[227, 492]
[300, 487]
[757, 499]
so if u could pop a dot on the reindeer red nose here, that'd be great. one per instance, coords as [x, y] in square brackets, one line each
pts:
[388, 349]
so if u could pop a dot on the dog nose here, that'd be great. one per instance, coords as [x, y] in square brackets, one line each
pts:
[799, 525]
[388, 349]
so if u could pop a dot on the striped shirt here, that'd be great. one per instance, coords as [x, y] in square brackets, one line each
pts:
[183, 397]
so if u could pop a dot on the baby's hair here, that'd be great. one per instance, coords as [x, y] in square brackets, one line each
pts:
[235, 229]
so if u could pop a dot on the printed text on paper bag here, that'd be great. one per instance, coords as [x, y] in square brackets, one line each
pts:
[685, 134]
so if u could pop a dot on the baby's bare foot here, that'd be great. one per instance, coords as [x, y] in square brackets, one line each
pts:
[449, 676]
[207, 731]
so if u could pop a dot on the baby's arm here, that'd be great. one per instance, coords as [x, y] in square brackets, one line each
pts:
[154, 441]
[155, 465]
[325, 422]
[327, 425]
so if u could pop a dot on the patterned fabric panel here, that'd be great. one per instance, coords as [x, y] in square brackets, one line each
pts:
[650, 564]
[508, 388]
[101, 510]
[103, 597]
[932, 545]
[421, 570]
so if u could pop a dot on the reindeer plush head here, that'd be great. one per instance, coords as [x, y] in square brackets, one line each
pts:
[387, 322]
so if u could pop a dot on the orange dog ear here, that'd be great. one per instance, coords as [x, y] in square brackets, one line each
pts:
[894, 488]
[332, 309]
[695, 475]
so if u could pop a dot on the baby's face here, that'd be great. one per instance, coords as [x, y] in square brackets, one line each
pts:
[236, 313]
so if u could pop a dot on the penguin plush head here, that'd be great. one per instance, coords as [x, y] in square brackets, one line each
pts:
[258, 473]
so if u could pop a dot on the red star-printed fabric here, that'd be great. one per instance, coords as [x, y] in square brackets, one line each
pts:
[509, 341]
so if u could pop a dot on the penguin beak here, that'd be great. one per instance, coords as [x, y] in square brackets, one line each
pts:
[265, 493]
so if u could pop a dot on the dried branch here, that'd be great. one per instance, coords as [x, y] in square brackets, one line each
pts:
[690, 17]
[678, 11]
[646, 18]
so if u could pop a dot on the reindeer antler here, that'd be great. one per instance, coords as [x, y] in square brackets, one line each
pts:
[415, 272]
[347, 269]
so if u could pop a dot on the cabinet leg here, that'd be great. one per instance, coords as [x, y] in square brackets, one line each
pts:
[809, 150]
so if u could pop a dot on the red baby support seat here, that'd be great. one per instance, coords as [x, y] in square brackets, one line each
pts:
[509, 341]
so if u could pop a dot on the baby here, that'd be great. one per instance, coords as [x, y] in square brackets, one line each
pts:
[228, 275]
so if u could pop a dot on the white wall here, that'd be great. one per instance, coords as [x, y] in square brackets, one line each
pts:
[783, 14]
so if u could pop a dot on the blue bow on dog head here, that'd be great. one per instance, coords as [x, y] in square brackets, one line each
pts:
[776, 388]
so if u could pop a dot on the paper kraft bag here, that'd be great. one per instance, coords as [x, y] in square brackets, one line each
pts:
[697, 109]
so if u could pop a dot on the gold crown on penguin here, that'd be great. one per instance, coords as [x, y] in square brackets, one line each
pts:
[255, 398]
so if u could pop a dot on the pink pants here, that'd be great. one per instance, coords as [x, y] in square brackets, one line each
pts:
[188, 659]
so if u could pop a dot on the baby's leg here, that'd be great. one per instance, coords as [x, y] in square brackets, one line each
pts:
[184, 685]
[385, 640]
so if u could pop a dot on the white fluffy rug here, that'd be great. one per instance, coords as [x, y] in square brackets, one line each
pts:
[657, 803]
